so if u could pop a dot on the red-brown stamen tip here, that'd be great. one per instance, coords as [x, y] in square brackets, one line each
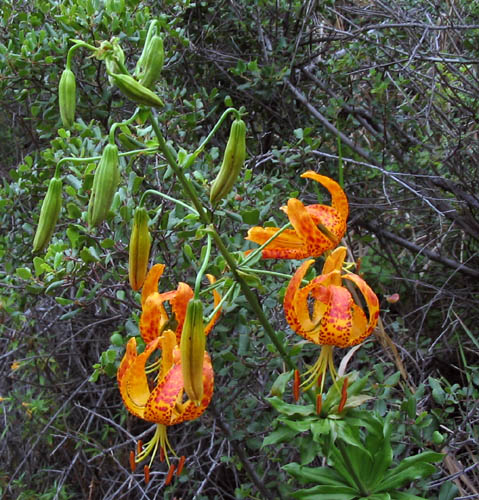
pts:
[132, 461]
[319, 403]
[181, 463]
[344, 395]
[139, 447]
[169, 476]
[320, 379]
[146, 472]
[162, 454]
[296, 385]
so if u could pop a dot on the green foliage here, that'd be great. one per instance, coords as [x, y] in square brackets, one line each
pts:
[403, 93]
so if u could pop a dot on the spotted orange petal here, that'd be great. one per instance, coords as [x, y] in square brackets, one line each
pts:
[153, 317]
[336, 323]
[189, 410]
[371, 301]
[289, 302]
[161, 403]
[335, 261]
[339, 200]
[179, 303]
[128, 359]
[151, 281]
[315, 241]
[288, 245]
[167, 344]
[133, 383]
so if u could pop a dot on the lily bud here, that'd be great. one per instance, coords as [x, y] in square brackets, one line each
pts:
[192, 348]
[139, 253]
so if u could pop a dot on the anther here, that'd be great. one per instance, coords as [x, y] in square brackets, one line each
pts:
[181, 463]
[146, 472]
[296, 385]
[319, 403]
[132, 461]
[169, 476]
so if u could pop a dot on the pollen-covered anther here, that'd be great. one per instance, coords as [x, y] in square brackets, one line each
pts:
[132, 461]
[296, 384]
[169, 476]
[181, 464]
[146, 473]
[319, 403]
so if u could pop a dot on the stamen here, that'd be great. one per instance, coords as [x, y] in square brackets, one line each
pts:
[318, 370]
[146, 472]
[319, 403]
[132, 461]
[139, 447]
[296, 385]
[169, 476]
[181, 463]
[162, 455]
[344, 395]
[153, 366]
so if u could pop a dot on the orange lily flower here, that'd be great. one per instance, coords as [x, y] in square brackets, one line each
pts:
[164, 403]
[317, 228]
[333, 318]
[154, 318]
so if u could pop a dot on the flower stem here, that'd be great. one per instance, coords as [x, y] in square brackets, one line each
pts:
[205, 218]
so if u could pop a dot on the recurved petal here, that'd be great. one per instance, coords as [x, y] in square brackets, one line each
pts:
[133, 384]
[167, 344]
[336, 323]
[335, 261]
[339, 200]
[151, 281]
[128, 359]
[153, 317]
[179, 303]
[315, 241]
[161, 403]
[190, 411]
[371, 300]
[289, 302]
[217, 300]
[286, 239]
[360, 326]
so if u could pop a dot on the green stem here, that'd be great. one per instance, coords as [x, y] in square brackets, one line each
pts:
[265, 271]
[222, 301]
[78, 43]
[111, 135]
[205, 218]
[200, 148]
[163, 195]
[340, 161]
[203, 267]
[349, 465]
[78, 161]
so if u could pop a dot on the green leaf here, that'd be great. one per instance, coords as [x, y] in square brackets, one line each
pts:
[326, 493]
[319, 428]
[405, 496]
[321, 475]
[410, 469]
[279, 385]
[279, 436]
[24, 273]
[250, 216]
[289, 409]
